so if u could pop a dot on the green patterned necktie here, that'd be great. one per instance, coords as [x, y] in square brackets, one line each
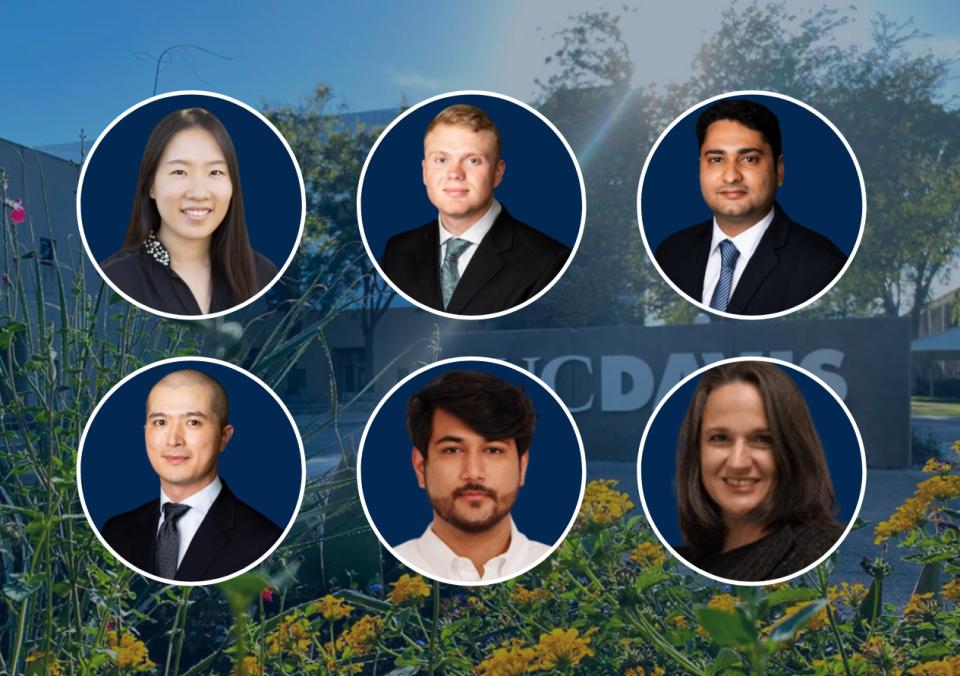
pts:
[449, 274]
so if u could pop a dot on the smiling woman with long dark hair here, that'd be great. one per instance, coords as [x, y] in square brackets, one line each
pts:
[187, 250]
[756, 500]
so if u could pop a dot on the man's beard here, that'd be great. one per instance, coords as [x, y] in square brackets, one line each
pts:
[446, 508]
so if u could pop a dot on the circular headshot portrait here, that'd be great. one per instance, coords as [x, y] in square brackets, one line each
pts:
[191, 471]
[767, 466]
[471, 204]
[166, 218]
[725, 205]
[471, 471]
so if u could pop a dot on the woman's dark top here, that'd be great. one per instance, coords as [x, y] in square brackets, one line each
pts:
[785, 551]
[145, 275]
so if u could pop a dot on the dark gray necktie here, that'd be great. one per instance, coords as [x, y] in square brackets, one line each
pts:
[168, 540]
[728, 257]
[449, 272]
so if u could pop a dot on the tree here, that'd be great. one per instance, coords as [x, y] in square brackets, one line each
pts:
[331, 152]
[609, 125]
[886, 99]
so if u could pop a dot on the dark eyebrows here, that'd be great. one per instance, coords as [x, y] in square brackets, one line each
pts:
[740, 151]
[458, 440]
[188, 414]
[179, 161]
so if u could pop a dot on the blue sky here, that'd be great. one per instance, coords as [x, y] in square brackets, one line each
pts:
[68, 66]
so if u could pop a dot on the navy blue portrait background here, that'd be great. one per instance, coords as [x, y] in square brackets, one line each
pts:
[821, 189]
[261, 464]
[400, 508]
[540, 186]
[658, 461]
[271, 189]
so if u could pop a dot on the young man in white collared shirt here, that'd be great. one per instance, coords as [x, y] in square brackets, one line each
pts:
[471, 434]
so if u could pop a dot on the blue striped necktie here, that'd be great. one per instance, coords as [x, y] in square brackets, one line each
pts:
[728, 258]
[449, 272]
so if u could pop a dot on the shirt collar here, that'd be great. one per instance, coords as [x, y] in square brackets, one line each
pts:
[457, 567]
[475, 233]
[201, 501]
[156, 250]
[747, 241]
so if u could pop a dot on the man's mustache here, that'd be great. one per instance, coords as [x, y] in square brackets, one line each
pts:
[475, 488]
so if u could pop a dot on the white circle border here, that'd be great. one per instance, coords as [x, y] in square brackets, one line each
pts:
[525, 374]
[269, 125]
[529, 109]
[255, 379]
[846, 530]
[822, 118]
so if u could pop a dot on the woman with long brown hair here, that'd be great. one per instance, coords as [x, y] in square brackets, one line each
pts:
[756, 500]
[187, 250]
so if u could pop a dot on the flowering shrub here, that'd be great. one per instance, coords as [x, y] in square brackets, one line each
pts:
[611, 601]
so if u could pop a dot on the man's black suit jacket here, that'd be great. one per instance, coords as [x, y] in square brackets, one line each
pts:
[231, 536]
[791, 265]
[513, 263]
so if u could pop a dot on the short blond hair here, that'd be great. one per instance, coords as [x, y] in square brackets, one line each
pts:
[463, 115]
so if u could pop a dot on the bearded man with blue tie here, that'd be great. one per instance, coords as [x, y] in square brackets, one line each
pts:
[751, 258]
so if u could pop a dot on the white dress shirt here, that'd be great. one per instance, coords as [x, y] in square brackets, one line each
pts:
[187, 525]
[431, 555]
[474, 234]
[746, 243]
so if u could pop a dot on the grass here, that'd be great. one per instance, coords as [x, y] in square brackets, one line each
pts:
[937, 407]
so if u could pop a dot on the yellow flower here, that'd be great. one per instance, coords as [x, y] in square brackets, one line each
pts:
[640, 671]
[956, 446]
[475, 601]
[951, 590]
[678, 621]
[251, 667]
[292, 635]
[879, 653]
[724, 602]
[53, 666]
[408, 589]
[818, 621]
[934, 466]
[521, 594]
[919, 606]
[130, 652]
[361, 638]
[770, 588]
[649, 555]
[852, 595]
[332, 608]
[563, 648]
[602, 505]
[939, 487]
[948, 666]
[906, 517]
[510, 659]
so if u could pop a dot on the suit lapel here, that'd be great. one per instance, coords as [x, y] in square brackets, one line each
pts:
[426, 267]
[486, 262]
[690, 277]
[145, 539]
[764, 260]
[212, 536]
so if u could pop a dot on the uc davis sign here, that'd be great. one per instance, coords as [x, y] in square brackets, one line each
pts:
[612, 377]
